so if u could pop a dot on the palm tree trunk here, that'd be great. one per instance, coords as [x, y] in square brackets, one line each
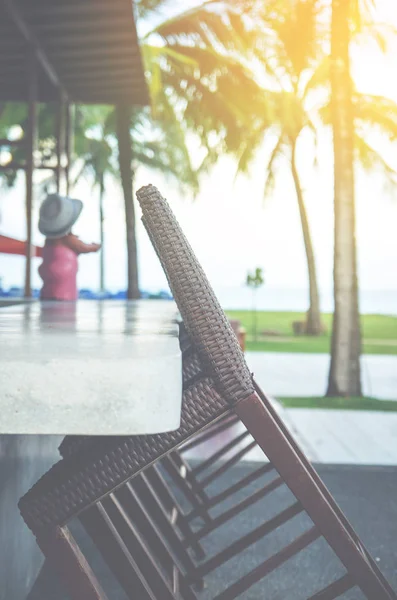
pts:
[313, 324]
[102, 237]
[123, 120]
[344, 375]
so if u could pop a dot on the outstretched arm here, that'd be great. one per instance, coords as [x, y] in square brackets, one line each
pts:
[75, 244]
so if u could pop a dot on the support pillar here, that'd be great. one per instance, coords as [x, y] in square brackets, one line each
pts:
[60, 143]
[31, 143]
[69, 123]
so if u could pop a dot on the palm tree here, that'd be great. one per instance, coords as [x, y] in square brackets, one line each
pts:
[15, 115]
[196, 85]
[96, 156]
[142, 140]
[351, 114]
[197, 89]
[344, 376]
[296, 64]
[293, 60]
[360, 115]
[123, 124]
[159, 144]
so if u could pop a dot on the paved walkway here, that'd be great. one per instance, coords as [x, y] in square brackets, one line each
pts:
[296, 374]
[345, 436]
[332, 436]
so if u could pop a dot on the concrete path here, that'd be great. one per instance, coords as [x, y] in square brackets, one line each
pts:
[332, 436]
[345, 436]
[296, 374]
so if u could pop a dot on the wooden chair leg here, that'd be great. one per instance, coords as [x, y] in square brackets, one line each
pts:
[217, 463]
[150, 568]
[168, 500]
[162, 541]
[280, 448]
[63, 553]
[116, 554]
[220, 453]
[150, 503]
[248, 479]
[185, 473]
[322, 486]
[192, 496]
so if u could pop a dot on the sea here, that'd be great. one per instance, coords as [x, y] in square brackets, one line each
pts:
[380, 302]
[383, 302]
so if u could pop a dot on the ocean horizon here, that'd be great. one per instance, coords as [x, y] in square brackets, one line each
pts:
[383, 302]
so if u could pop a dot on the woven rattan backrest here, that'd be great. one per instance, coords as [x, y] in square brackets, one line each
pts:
[201, 312]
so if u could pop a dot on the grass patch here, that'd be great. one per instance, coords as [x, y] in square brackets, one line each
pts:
[379, 333]
[352, 403]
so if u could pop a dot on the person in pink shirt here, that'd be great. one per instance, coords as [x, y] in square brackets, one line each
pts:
[59, 268]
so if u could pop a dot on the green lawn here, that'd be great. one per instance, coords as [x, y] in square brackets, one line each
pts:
[379, 333]
[340, 403]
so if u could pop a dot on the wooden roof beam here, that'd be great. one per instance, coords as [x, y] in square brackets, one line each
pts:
[69, 64]
[86, 38]
[125, 75]
[42, 9]
[96, 21]
[30, 37]
[99, 52]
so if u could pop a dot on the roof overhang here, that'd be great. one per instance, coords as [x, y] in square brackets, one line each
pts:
[87, 50]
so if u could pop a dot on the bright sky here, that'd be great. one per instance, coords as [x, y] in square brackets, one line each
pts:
[229, 225]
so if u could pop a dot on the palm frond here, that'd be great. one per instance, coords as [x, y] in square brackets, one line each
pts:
[80, 173]
[175, 134]
[13, 113]
[287, 111]
[361, 12]
[146, 8]
[271, 167]
[218, 23]
[378, 112]
[382, 34]
[365, 25]
[161, 155]
[371, 160]
[314, 131]
[319, 76]
[210, 159]
[151, 57]
[218, 104]
[324, 113]
[296, 26]
[250, 144]
[184, 57]
[193, 23]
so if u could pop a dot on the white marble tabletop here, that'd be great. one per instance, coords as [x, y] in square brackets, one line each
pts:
[92, 368]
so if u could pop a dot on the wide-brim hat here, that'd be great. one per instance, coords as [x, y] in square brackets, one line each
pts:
[58, 214]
